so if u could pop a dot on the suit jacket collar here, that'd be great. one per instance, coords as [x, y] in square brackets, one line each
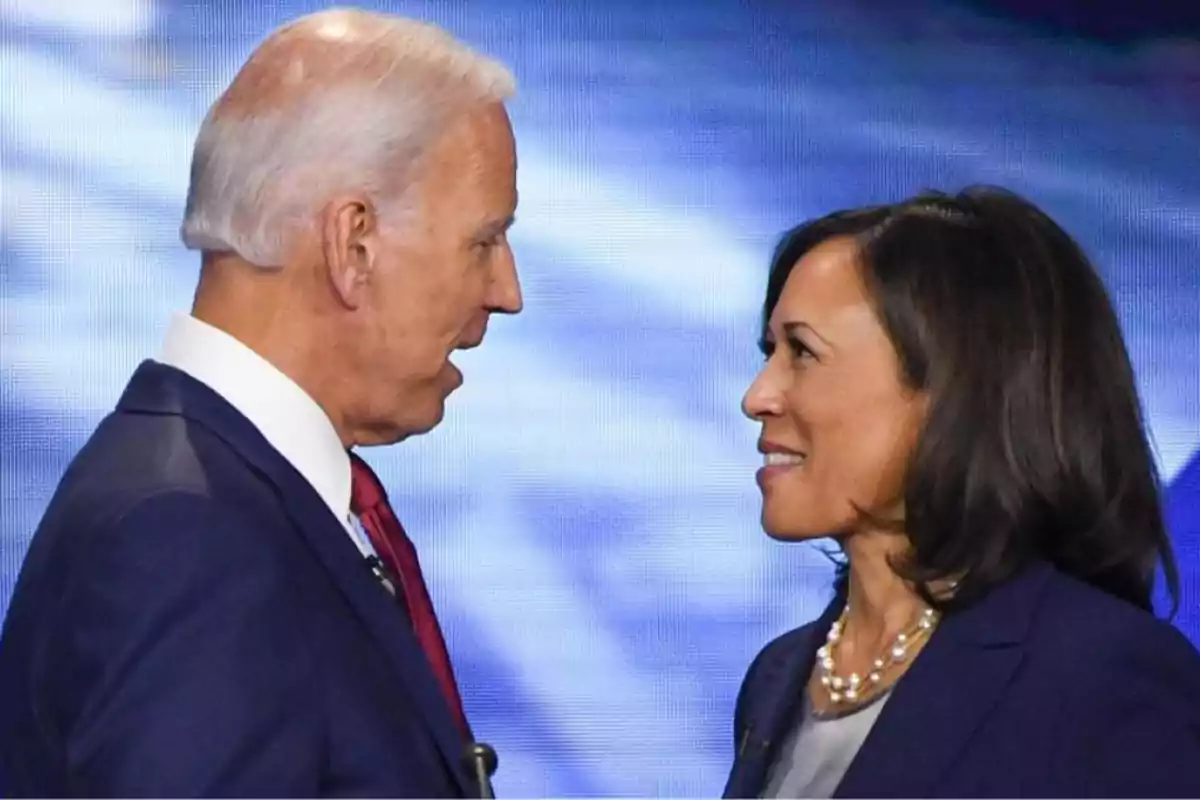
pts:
[158, 389]
[774, 703]
[948, 692]
[284, 413]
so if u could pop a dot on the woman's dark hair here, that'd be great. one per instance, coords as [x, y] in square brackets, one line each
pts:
[1034, 445]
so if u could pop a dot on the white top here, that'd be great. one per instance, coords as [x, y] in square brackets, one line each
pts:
[287, 417]
[819, 750]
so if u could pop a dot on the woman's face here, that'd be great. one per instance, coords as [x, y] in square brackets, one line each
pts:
[838, 424]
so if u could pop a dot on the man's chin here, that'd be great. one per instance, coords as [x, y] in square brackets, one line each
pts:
[430, 420]
[411, 421]
[419, 411]
[453, 377]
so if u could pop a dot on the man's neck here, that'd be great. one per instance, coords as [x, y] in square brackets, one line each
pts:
[285, 347]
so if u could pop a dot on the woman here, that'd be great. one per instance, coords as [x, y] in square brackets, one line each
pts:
[946, 392]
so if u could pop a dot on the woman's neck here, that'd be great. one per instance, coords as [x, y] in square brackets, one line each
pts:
[881, 604]
[881, 630]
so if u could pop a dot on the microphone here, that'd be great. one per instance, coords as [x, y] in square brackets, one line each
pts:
[482, 761]
[382, 574]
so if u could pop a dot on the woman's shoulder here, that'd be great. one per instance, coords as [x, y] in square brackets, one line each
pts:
[776, 658]
[1128, 692]
[1074, 610]
[1112, 647]
[786, 644]
[785, 648]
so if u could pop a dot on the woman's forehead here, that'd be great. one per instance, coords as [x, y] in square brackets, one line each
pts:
[824, 282]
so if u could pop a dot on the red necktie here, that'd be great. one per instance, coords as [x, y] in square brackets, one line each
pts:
[369, 502]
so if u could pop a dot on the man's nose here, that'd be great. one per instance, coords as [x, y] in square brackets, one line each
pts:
[504, 295]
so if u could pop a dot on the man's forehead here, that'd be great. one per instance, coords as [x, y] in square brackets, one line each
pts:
[473, 154]
[481, 135]
[466, 205]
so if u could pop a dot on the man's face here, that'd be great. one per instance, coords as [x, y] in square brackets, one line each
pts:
[437, 276]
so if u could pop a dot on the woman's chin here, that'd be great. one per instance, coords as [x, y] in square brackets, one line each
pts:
[801, 519]
[791, 530]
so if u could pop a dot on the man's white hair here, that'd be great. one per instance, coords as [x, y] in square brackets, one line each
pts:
[334, 102]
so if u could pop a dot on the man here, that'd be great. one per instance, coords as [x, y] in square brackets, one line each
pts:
[219, 600]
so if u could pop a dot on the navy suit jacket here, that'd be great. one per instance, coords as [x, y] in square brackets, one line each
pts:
[1045, 688]
[192, 620]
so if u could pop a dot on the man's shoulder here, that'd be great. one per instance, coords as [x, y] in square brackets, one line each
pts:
[139, 470]
[132, 457]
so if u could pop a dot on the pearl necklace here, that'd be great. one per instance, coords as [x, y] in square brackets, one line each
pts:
[852, 687]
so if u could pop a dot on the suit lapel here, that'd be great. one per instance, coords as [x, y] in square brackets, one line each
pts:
[382, 616]
[928, 719]
[947, 694]
[773, 708]
[161, 389]
[767, 722]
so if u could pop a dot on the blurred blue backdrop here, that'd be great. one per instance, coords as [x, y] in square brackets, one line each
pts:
[587, 511]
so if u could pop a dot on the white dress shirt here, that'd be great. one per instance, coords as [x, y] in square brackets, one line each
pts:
[287, 417]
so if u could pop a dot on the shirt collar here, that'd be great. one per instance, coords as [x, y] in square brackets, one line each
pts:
[288, 418]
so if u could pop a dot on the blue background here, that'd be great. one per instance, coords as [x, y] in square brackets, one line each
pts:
[587, 513]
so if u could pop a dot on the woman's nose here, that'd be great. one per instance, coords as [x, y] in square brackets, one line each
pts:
[762, 399]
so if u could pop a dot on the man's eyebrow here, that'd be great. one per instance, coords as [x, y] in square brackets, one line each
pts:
[490, 230]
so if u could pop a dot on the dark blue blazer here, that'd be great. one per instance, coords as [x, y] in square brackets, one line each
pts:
[192, 620]
[1045, 688]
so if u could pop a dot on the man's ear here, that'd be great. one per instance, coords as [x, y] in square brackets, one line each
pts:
[348, 226]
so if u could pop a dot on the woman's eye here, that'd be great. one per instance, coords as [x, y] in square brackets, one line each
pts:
[799, 349]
